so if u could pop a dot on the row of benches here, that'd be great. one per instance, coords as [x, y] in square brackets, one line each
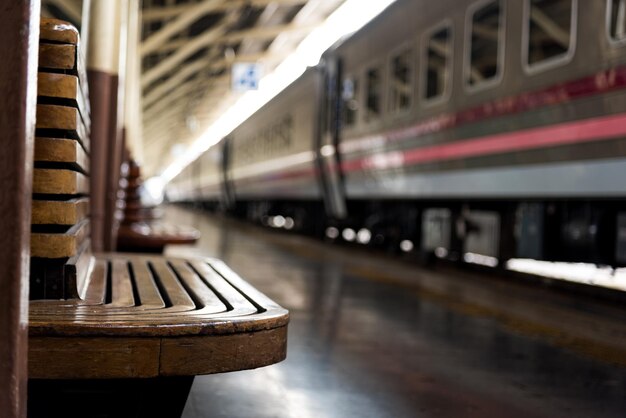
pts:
[97, 319]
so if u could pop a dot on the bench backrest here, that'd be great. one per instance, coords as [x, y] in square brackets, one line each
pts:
[60, 246]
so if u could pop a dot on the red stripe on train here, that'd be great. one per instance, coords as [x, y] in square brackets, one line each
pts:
[588, 130]
[602, 82]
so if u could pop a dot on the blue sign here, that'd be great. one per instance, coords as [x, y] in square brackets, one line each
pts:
[245, 76]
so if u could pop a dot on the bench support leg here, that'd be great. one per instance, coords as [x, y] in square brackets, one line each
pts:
[124, 398]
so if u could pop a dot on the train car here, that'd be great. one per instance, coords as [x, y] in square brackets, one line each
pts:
[270, 160]
[210, 177]
[478, 130]
[490, 114]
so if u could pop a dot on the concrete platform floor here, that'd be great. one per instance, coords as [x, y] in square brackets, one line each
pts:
[373, 336]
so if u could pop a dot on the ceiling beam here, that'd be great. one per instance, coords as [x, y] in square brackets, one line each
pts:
[256, 33]
[182, 22]
[175, 81]
[181, 95]
[194, 45]
[163, 13]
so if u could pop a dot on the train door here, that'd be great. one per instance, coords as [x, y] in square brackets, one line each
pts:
[327, 138]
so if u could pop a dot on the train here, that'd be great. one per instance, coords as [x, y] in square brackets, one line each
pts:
[471, 130]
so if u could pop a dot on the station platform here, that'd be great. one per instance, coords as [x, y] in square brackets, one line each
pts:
[373, 336]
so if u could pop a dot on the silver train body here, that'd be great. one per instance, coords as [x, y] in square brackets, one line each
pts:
[483, 127]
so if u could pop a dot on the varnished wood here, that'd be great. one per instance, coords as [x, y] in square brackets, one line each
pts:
[59, 150]
[209, 313]
[93, 358]
[101, 86]
[57, 57]
[61, 279]
[59, 245]
[61, 86]
[62, 118]
[63, 34]
[66, 87]
[153, 236]
[56, 181]
[139, 232]
[56, 30]
[18, 75]
[54, 212]
[199, 355]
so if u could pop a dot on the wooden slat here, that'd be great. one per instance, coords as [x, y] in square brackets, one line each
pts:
[146, 288]
[199, 288]
[52, 212]
[60, 86]
[64, 118]
[59, 150]
[95, 293]
[60, 278]
[122, 289]
[236, 300]
[177, 294]
[53, 181]
[62, 245]
[77, 271]
[66, 87]
[57, 56]
[56, 30]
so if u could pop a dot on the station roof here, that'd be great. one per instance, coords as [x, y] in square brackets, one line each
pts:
[187, 49]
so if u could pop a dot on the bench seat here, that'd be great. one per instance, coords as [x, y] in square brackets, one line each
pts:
[154, 236]
[142, 316]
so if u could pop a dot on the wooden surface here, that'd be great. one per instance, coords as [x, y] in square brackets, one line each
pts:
[66, 87]
[18, 81]
[158, 317]
[154, 235]
[54, 212]
[57, 41]
[62, 118]
[102, 87]
[59, 245]
[56, 181]
[61, 278]
[57, 150]
[56, 30]
[58, 358]
[57, 57]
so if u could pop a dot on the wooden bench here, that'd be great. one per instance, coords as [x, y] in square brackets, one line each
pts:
[140, 229]
[112, 328]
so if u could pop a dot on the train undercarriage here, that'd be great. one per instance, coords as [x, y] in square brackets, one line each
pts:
[484, 232]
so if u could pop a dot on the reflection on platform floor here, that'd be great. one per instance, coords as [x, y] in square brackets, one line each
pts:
[375, 337]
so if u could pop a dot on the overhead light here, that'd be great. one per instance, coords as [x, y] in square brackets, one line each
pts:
[348, 18]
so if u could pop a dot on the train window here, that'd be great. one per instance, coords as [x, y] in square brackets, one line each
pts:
[350, 100]
[374, 85]
[549, 32]
[400, 85]
[486, 38]
[437, 63]
[616, 20]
